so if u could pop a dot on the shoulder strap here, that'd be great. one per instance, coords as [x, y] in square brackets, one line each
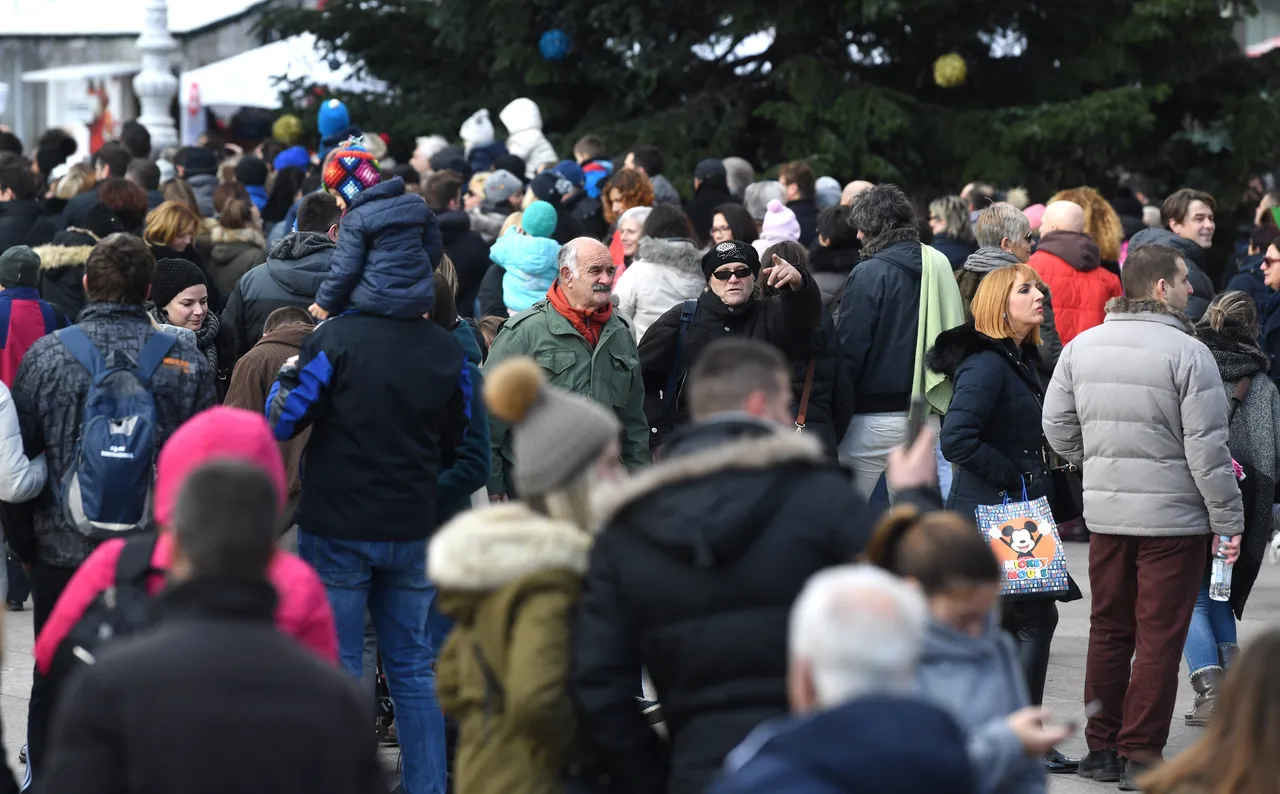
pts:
[804, 395]
[135, 559]
[84, 350]
[49, 316]
[153, 353]
[1237, 399]
[689, 308]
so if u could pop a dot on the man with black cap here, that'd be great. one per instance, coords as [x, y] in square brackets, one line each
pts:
[23, 316]
[199, 167]
[729, 307]
[710, 190]
[252, 173]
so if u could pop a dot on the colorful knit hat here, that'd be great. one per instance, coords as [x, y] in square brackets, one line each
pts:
[351, 170]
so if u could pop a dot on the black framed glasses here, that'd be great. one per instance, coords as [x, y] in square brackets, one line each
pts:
[742, 273]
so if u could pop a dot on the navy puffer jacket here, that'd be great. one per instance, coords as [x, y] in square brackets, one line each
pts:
[389, 244]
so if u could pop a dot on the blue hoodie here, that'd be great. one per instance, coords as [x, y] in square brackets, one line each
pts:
[531, 267]
[979, 681]
[872, 745]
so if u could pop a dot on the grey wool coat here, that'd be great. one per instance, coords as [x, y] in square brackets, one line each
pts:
[1138, 404]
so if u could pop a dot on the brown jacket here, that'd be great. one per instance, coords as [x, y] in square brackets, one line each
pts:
[252, 379]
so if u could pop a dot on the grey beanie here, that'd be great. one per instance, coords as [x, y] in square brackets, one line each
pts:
[556, 434]
[19, 267]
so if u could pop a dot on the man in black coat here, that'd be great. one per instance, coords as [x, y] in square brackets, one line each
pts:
[698, 565]
[728, 308]
[213, 698]
[467, 249]
[879, 318]
[294, 269]
[21, 221]
[710, 190]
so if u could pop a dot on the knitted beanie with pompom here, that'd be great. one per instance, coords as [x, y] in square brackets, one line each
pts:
[556, 434]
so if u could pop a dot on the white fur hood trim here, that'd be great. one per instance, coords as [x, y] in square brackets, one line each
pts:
[488, 548]
[749, 454]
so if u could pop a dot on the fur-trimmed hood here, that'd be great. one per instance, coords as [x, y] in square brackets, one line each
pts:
[1117, 307]
[681, 255]
[221, 235]
[485, 549]
[745, 451]
[953, 346]
[53, 257]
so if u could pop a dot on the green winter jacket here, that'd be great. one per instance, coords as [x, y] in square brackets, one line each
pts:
[609, 374]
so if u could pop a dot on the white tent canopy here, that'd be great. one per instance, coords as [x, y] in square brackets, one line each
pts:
[254, 78]
[116, 18]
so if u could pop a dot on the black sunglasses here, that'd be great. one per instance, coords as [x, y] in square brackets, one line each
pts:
[724, 275]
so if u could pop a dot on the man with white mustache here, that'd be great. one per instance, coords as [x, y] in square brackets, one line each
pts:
[584, 346]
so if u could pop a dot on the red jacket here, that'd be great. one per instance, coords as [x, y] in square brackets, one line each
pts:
[1068, 263]
[303, 611]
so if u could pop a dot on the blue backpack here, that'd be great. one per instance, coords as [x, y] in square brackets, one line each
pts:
[106, 491]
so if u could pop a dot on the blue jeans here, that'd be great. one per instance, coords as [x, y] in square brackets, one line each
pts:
[390, 580]
[1213, 625]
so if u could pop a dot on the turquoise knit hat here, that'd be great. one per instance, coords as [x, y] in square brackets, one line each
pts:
[539, 219]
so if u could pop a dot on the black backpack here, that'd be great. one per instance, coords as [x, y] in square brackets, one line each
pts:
[122, 609]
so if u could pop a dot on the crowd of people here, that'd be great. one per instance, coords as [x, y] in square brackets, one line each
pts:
[561, 474]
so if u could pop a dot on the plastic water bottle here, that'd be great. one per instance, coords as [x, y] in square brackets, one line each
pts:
[1220, 579]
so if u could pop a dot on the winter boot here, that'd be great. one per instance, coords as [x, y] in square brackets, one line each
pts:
[1227, 653]
[1206, 684]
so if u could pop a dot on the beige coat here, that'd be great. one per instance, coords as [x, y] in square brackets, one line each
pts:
[1139, 404]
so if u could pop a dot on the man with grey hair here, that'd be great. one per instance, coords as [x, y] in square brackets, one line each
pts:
[856, 724]
[757, 196]
[854, 189]
[740, 174]
[1004, 238]
[584, 346]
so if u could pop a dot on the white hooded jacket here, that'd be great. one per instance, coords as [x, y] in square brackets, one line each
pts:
[523, 121]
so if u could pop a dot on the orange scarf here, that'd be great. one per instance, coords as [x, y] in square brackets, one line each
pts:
[588, 322]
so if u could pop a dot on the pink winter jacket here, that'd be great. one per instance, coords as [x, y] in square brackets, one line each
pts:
[303, 611]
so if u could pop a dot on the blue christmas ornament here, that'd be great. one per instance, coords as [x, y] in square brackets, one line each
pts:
[554, 45]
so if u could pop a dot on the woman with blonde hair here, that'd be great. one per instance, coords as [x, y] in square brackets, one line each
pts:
[991, 435]
[1100, 222]
[1237, 754]
[170, 232]
[510, 576]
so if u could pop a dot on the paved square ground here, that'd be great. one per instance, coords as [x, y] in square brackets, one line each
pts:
[1063, 693]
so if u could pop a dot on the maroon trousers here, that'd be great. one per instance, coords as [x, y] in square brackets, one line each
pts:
[1144, 590]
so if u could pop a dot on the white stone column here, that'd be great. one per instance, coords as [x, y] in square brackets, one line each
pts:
[155, 85]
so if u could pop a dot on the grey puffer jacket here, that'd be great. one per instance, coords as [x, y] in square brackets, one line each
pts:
[1138, 403]
[979, 681]
[294, 270]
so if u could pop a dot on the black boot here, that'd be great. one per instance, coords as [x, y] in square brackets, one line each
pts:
[1133, 771]
[1206, 683]
[1101, 765]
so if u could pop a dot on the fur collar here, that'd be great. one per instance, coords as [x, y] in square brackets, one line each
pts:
[955, 345]
[53, 257]
[679, 255]
[1123, 305]
[488, 548]
[779, 447]
[221, 235]
[874, 245]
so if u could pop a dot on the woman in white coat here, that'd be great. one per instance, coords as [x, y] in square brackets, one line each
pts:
[667, 269]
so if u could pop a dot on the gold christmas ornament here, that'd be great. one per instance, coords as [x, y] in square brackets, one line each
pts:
[949, 70]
